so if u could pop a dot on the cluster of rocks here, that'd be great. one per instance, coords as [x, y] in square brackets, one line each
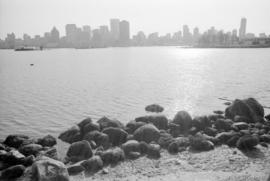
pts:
[94, 145]
[17, 152]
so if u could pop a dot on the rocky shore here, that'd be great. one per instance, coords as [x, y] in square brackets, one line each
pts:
[148, 147]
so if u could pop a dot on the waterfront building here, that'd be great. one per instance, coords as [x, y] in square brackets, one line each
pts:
[196, 34]
[105, 35]
[115, 29]
[71, 33]
[55, 35]
[262, 35]
[124, 33]
[187, 36]
[87, 29]
[242, 30]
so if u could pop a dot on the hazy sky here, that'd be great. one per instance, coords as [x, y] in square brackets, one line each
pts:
[37, 16]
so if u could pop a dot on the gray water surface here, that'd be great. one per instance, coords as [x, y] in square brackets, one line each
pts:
[66, 85]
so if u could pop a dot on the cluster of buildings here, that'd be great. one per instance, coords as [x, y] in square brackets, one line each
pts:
[118, 34]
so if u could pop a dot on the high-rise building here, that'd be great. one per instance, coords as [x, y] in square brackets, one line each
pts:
[55, 35]
[115, 29]
[187, 36]
[196, 34]
[105, 35]
[71, 32]
[242, 30]
[124, 32]
[87, 29]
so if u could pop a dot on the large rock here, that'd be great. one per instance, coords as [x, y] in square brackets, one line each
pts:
[31, 149]
[223, 124]
[105, 122]
[47, 169]
[17, 140]
[133, 125]
[112, 156]
[210, 131]
[117, 136]
[71, 135]
[153, 150]
[199, 143]
[249, 108]
[90, 127]
[101, 139]
[84, 122]
[160, 121]
[247, 142]
[174, 129]
[12, 172]
[201, 122]
[154, 108]
[93, 164]
[80, 150]
[48, 140]
[131, 146]
[11, 158]
[75, 169]
[147, 133]
[183, 119]
[165, 139]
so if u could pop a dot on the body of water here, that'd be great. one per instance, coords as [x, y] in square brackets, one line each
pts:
[66, 85]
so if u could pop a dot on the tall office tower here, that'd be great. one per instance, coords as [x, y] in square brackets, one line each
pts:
[196, 34]
[124, 32]
[71, 33]
[55, 35]
[105, 35]
[242, 30]
[115, 29]
[187, 36]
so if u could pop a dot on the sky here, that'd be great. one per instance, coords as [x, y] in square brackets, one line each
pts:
[164, 16]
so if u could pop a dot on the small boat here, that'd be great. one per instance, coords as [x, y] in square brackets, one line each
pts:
[24, 48]
[31, 64]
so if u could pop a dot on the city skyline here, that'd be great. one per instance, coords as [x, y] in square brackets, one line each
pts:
[117, 33]
[151, 16]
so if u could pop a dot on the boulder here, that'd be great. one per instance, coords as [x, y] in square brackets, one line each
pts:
[173, 148]
[247, 142]
[249, 108]
[223, 124]
[147, 133]
[153, 151]
[201, 122]
[210, 131]
[80, 150]
[112, 156]
[131, 146]
[47, 141]
[143, 147]
[165, 139]
[93, 164]
[133, 155]
[17, 140]
[105, 122]
[31, 149]
[90, 127]
[50, 152]
[2, 147]
[265, 138]
[117, 136]
[75, 169]
[160, 121]
[154, 108]
[214, 117]
[47, 169]
[199, 143]
[183, 119]
[12, 172]
[71, 135]
[101, 139]
[84, 122]
[256, 107]
[11, 158]
[182, 141]
[133, 125]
